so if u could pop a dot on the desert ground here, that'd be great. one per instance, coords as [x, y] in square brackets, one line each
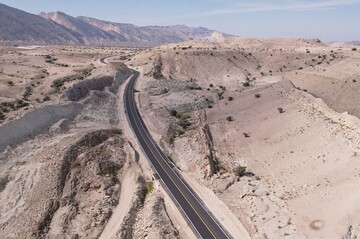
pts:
[69, 167]
[265, 131]
[286, 109]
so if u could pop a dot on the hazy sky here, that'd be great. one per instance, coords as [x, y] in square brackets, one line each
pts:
[328, 20]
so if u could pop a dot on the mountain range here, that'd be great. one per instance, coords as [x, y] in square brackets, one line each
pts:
[18, 26]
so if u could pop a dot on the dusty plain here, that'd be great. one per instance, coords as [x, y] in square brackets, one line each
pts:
[266, 132]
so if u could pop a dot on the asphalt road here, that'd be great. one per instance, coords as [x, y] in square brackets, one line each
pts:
[102, 60]
[203, 224]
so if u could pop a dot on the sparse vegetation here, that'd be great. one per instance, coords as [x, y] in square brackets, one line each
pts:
[173, 112]
[194, 87]
[20, 163]
[184, 118]
[240, 171]
[27, 93]
[221, 95]
[229, 118]
[2, 116]
[246, 84]
[57, 83]
[46, 98]
[222, 88]
[149, 188]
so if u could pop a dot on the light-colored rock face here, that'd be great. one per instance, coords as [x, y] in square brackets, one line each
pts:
[216, 37]
[59, 18]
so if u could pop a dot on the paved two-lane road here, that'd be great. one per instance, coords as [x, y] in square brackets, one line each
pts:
[203, 224]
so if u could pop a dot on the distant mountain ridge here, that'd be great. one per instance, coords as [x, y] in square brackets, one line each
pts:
[344, 43]
[151, 34]
[20, 26]
[59, 28]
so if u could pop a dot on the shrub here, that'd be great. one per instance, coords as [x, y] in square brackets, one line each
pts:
[281, 110]
[20, 103]
[230, 98]
[223, 88]
[148, 189]
[354, 49]
[182, 116]
[194, 87]
[185, 123]
[57, 83]
[229, 118]
[4, 109]
[183, 119]
[240, 171]
[257, 96]
[47, 98]
[20, 163]
[2, 116]
[27, 92]
[246, 84]
[220, 95]
[173, 112]
[10, 83]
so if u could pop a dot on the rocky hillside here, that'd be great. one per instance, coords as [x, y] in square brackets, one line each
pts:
[59, 28]
[17, 25]
[150, 34]
[89, 34]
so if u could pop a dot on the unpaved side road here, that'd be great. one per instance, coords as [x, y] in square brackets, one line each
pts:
[128, 189]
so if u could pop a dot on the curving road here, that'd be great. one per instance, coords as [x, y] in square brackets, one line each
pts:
[103, 59]
[202, 222]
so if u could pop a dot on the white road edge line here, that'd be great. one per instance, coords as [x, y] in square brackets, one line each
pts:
[172, 195]
[156, 147]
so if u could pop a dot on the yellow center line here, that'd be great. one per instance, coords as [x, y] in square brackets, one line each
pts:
[201, 218]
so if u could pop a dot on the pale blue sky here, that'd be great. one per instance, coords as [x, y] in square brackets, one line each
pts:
[329, 20]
